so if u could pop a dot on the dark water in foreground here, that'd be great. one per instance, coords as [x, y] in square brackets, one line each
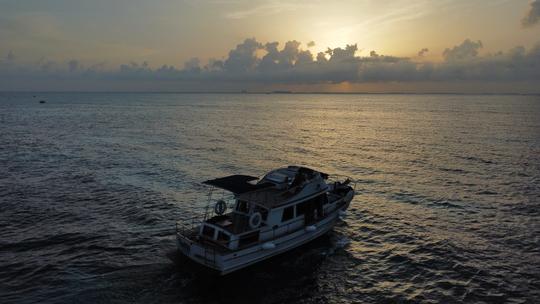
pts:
[447, 207]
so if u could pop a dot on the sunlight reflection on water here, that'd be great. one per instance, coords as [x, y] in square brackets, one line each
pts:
[446, 209]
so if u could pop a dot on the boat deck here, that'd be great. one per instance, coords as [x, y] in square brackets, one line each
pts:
[227, 222]
[231, 222]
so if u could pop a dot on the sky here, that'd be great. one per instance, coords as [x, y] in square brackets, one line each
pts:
[479, 46]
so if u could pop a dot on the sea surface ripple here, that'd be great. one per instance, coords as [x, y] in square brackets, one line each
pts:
[447, 205]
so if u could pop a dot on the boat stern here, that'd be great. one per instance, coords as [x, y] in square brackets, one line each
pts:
[199, 253]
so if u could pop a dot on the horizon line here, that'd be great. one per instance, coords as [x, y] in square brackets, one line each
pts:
[276, 92]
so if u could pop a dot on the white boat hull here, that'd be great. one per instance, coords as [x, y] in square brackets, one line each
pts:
[227, 262]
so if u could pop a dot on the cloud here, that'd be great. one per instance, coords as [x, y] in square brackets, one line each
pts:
[253, 62]
[422, 52]
[244, 57]
[465, 51]
[269, 8]
[193, 65]
[533, 15]
[73, 65]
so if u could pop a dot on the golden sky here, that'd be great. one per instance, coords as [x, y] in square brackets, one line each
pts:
[108, 33]
[167, 32]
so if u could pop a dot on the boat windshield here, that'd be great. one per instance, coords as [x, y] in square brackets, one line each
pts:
[276, 177]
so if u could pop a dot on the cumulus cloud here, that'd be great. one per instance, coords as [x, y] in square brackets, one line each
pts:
[465, 51]
[422, 52]
[193, 65]
[244, 57]
[73, 65]
[533, 15]
[271, 63]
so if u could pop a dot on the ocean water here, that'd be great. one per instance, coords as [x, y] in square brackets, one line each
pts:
[446, 207]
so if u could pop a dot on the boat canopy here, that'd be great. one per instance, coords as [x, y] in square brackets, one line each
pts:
[237, 184]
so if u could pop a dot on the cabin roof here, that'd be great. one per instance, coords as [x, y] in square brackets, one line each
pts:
[265, 193]
[237, 184]
[269, 197]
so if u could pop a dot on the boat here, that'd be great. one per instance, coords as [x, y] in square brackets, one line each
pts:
[286, 208]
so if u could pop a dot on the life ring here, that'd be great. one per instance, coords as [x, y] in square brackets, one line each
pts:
[255, 220]
[220, 207]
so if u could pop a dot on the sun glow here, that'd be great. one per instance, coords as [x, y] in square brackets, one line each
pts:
[333, 34]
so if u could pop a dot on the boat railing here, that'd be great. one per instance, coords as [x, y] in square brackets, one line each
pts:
[198, 214]
[339, 178]
[186, 227]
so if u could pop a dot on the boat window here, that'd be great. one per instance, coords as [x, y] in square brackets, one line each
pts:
[208, 231]
[301, 208]
[222, 236]
[309, 206]
[242, 206]
[288, 213]
[325, 199]
[276, 177]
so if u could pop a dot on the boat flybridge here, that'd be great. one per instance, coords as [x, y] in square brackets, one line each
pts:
[284, 209]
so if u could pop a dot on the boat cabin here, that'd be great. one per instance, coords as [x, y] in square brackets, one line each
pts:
[283, 201]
